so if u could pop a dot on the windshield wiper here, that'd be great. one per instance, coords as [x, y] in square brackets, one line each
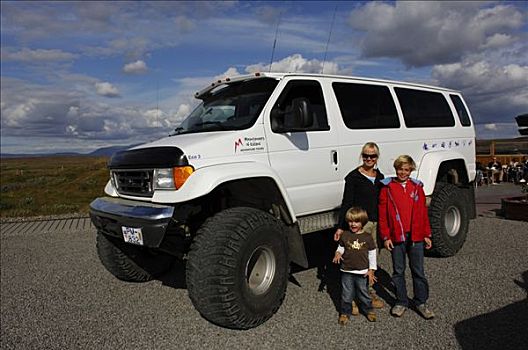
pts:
[177, 131]
[215, 123]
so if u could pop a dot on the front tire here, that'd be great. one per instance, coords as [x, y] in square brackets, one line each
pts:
[238, 267]
[449, 219]
[128, 262]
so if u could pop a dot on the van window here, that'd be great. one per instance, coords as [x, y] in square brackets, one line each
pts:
[463, 115]
[366, 106]
[424, 109]
[309, 90]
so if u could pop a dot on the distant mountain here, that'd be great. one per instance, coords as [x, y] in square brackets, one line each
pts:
[100, 152]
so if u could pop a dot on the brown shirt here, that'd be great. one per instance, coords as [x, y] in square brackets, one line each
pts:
[357, 246]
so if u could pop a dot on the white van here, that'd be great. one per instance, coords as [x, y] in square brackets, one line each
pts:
[260, 162]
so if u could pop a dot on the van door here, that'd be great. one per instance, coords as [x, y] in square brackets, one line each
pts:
[368, 114]
[305, 156]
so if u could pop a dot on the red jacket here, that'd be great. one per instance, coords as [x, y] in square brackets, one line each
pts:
[390, 206]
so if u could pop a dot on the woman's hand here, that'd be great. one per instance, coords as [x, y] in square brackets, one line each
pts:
[388, 245]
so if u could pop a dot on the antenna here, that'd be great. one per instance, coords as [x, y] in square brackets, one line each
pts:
[157, 101]
[328, 41]
[275, 40]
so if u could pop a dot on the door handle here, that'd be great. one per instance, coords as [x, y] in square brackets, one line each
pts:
[334, 157]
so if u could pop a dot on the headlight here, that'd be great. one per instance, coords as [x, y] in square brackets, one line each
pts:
[163, 179]
[171, 178]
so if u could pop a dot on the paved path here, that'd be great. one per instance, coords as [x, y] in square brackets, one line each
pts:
[44, 226]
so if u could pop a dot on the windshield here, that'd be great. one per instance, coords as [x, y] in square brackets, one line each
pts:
[232, 107]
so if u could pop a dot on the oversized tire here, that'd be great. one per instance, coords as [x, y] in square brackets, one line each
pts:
[238, 268]
[128, 262]
[449, 219]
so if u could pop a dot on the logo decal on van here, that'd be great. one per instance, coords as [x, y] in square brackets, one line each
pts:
[250, 144]
[446, 144]
[238, 143]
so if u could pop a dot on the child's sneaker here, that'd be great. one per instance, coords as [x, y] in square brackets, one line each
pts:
[355, 309]
[371, 316]
[398, 310]
[343, 319]
[425, 311]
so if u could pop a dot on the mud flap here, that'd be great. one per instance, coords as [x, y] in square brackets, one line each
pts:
[296, 246]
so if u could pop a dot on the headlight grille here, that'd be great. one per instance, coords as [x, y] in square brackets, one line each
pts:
[133, 182]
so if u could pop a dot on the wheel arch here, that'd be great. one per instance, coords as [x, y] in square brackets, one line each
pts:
[207, 181]
[250, 184]
[449, 167]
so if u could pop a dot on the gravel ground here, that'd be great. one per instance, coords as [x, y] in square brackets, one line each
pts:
[56, 295]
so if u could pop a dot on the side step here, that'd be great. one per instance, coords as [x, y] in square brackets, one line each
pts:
[318, 222]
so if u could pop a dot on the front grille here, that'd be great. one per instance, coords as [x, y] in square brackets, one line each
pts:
[133, 182]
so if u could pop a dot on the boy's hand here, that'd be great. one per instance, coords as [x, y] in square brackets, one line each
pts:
[337, 258]
[371, 277]
[388, 245]
[428, 243]
[337, 234]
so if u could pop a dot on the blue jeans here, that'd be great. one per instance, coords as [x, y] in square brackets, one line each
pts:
[353, 285]
[415, 252]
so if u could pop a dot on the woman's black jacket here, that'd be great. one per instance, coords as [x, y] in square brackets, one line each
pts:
[360, 192]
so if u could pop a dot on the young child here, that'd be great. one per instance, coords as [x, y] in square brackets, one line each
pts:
[404, 229]
[357, 254]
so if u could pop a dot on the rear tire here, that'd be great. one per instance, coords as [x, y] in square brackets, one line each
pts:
[128, 262]
[449, 219]
[238, 268]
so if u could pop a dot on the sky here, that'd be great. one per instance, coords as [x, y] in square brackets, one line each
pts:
[77, 76]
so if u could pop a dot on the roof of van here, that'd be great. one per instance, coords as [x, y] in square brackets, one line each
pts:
[275, 75]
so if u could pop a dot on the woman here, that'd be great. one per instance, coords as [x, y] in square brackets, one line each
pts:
[362, 186]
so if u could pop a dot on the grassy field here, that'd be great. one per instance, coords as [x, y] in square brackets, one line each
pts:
[50, 185]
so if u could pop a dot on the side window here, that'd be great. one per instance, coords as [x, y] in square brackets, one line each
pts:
[309, 91]
[424, 109]
[366, 106]
[462, 112]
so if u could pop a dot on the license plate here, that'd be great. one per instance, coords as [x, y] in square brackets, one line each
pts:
[132, 235]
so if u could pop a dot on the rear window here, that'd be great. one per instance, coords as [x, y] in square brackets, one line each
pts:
[424, 109]
[462, 112]
[366, 106]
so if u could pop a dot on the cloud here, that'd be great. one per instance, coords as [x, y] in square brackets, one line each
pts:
[106, 89]
[184, 24]
[230, 72]
[31, 110]
[494, 92]
[53, 112]
[434, 32]
[296, 63]
[37, 55]
[268, 14]
[138, 67]
[132, 28]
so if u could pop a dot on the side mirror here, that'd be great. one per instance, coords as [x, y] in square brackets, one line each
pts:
[297, 117]
[302, 112]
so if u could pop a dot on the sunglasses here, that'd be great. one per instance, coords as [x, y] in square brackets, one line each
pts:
[369, 156]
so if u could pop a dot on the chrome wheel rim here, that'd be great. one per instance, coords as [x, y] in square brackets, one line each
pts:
[260, 270]
[453, 220]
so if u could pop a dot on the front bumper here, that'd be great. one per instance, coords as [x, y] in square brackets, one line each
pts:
[109, 215]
